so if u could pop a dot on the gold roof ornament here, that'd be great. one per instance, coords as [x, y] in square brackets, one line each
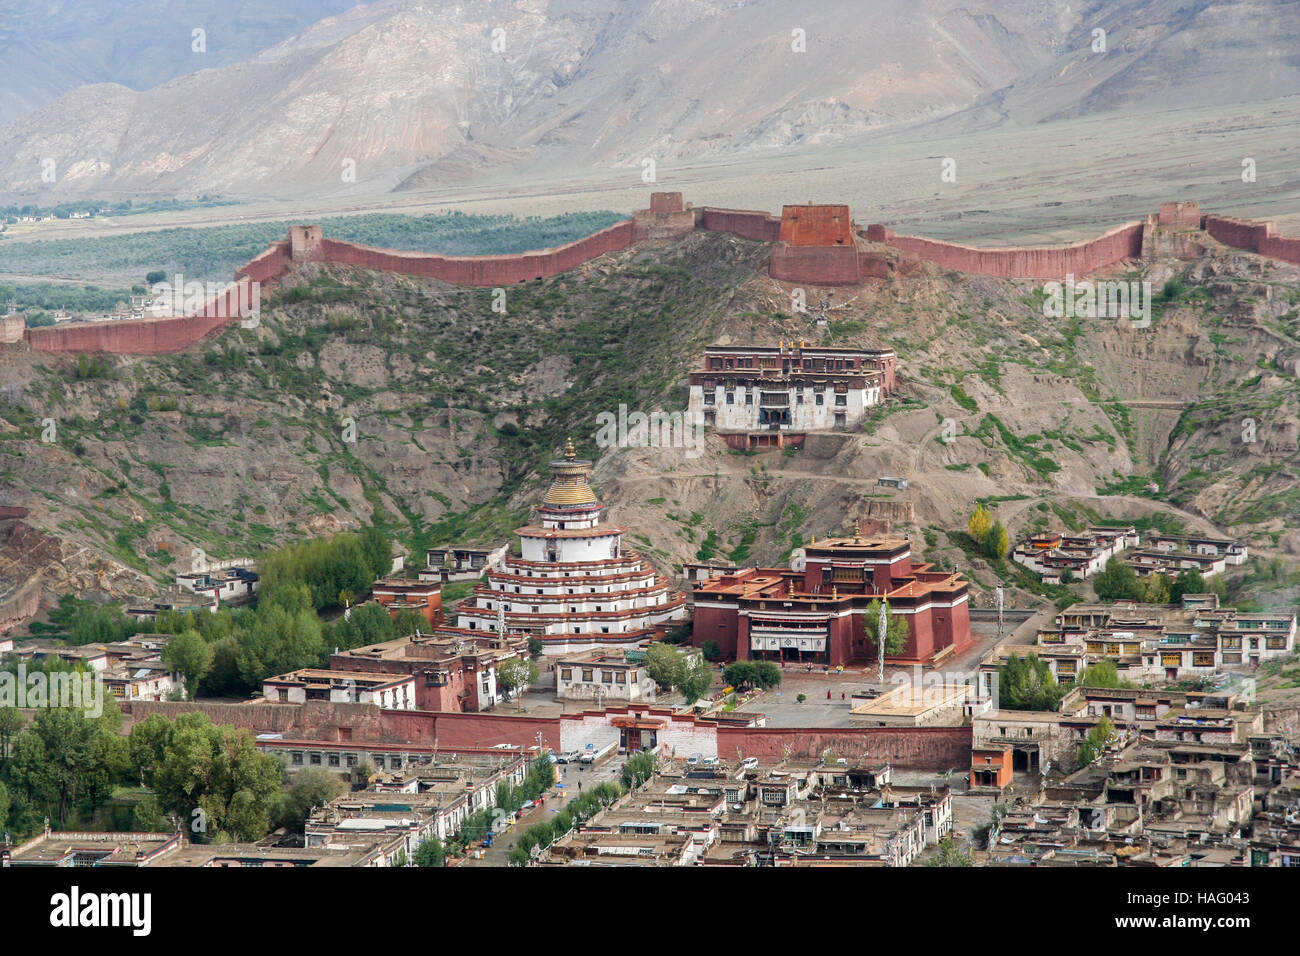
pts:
[857, 530]
[569, 480]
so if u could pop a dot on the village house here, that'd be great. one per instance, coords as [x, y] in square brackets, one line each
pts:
[455, 669]
[604, 676]
[390, 691]
[1056, 556]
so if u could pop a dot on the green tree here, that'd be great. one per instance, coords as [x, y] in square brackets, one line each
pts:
[1095, 741]
[711, 651]
[68, 763]
[1027, 683]
[662, 663]
[767, 675]
[639, 768]
[1118, 582]
[740, 674]
[215, 780]
[979, 524]
[517, 673]
[376, 549]
[1156, 589]
[310, 789]
[11, 722]
[997, 542]
[694, 678]
[430, 853]
[154, 277]
[949, 855]
[1189, 581]
[190, 655]
[897, 630]
[1103, 674]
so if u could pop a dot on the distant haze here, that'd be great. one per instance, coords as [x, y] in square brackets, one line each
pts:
[400, 95]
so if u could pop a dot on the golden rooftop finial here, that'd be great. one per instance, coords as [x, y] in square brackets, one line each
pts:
[569, 451]
[835, 592]
[857, 529]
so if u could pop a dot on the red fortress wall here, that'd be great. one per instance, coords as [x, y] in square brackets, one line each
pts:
[480, 270]
[1080, 258]
[811, 243]
[1259, 237]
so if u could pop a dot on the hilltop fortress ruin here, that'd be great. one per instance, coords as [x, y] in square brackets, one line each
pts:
[812, 244]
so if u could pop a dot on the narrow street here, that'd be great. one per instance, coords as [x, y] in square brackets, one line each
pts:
[567, 788]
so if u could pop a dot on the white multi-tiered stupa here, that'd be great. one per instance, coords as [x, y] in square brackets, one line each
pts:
[574, 586]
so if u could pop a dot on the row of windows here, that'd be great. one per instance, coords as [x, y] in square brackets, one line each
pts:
[840, 399]
[316, 758]
[618, 677]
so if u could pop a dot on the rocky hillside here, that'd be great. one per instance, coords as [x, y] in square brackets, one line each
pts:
[423, 94]
[373, 398]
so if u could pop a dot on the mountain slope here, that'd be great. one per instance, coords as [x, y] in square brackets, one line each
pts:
[427, 95]
[241, 443]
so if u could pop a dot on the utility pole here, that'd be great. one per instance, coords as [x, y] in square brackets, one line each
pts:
[1000, 604]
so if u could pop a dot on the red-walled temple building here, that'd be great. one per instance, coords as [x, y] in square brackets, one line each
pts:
[818, 613]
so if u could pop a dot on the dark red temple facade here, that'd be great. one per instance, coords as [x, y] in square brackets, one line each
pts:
[817, 613]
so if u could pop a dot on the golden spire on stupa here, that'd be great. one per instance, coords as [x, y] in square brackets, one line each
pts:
[569, 485]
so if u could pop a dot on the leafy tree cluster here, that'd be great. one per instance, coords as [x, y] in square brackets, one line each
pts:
[282, 633]
[639, 768]
[989, 535]
[309, 789]
[684, 671]
[761, 674]
[213, 778]
[575, 812]
[336, 570]
[1103, 674]
[430, 853]
[1027, 683]
[63, 766]
[76, 621]
[517, 673]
